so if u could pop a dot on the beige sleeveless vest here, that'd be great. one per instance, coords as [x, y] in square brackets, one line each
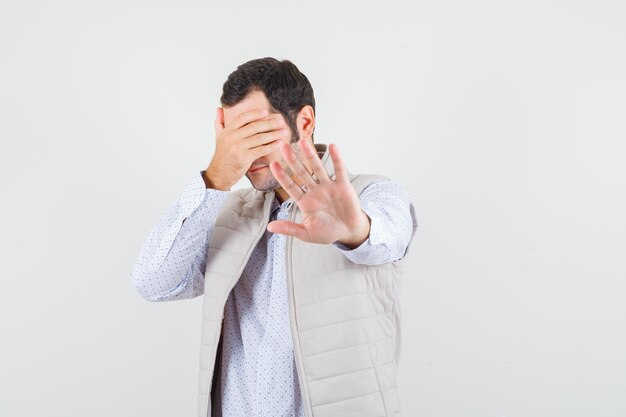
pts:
[345, 317]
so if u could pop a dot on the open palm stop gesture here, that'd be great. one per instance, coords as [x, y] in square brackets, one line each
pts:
[331, 211]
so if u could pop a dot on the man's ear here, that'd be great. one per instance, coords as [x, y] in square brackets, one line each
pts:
[305, 121]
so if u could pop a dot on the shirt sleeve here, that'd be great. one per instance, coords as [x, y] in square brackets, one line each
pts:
[392, 226]
[172, 261]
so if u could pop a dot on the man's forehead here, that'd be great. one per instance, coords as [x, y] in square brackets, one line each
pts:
[253, 101]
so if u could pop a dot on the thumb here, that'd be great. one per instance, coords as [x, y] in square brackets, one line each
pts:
[288, 228]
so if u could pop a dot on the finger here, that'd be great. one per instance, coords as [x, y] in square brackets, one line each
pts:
[219, 120]
[310, 153]
[260, 126]
[247, 117]
[263, 138]
[288, 228]
[262, 150]
[341, 173]
[286, 182]
[297, 166]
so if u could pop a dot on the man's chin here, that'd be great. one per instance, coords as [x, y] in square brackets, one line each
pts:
[268, 184]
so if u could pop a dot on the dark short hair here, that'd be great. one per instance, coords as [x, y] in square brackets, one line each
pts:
[286, 88]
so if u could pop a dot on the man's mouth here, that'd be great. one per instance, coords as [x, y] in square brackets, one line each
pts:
[257, 168]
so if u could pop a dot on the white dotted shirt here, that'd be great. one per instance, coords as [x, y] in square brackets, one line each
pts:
[258, 374]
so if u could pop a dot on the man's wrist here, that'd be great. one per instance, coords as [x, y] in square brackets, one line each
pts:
[360, 235]
[213, 182]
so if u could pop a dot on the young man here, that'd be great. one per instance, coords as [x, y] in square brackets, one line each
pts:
[299, 273]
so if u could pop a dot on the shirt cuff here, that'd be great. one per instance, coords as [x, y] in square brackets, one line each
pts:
[191, 198]
[196, 193]
[364, 249]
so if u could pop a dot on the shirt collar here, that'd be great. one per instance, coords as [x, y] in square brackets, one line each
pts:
[285, 205]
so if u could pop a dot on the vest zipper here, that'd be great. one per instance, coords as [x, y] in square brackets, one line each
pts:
[292, 315]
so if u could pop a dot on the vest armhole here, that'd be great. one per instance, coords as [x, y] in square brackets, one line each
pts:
[361, 181]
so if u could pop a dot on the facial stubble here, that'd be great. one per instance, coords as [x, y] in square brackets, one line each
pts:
[270, 182]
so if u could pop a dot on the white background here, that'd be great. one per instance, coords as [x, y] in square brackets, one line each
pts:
[505, 121]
